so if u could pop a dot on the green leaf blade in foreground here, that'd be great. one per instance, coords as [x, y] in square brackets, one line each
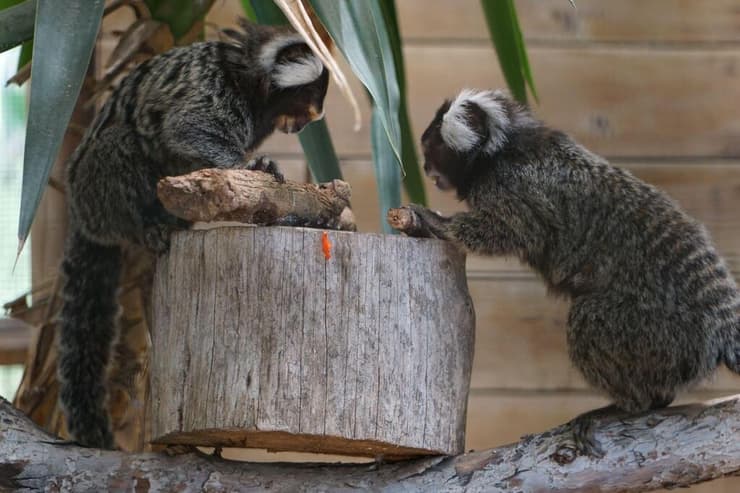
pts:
[358, 29]
[503, 26]
[180, 15]
[413, 181]
[319, 150]
[315, 138]
[63, 42]
[387, 172]
[16, 23]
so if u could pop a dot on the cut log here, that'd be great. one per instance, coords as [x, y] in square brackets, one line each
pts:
[260, 340]
[670, 448]
[256, 197]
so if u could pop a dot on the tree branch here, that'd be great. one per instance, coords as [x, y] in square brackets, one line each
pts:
[673, 447]
[256, 197]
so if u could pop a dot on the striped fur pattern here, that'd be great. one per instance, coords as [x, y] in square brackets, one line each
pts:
[205, 105]
[654, 307]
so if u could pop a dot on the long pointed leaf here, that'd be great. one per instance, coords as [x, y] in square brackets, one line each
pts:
[180, 15]
[358, 29]
[413, 182]
[63, 42]
[319, 150]
[503, 27]
[315, 138]
[387, 172]
[16, 24]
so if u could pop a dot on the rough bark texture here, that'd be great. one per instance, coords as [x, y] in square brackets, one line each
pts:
[259, 340]
[408, 222]
[256, 197]
[671, 448]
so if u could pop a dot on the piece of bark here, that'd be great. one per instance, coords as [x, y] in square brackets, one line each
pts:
[674, 447]
[408, 222]
[256, 197]
[261, 341]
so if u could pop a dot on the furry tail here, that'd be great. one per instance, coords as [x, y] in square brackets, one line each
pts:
[88, 329]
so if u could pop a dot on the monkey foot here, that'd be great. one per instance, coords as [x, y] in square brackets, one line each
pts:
[264, 163]
[582, 427]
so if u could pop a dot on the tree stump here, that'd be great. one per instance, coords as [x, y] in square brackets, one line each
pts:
[259, 340]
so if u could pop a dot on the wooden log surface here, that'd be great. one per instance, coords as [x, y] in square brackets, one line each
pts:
[256, 197]
[673, 447]
[261, 341]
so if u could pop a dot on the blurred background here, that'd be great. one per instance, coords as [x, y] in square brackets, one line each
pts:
[653, 85]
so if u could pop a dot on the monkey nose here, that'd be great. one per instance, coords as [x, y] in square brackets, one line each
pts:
[314, 114]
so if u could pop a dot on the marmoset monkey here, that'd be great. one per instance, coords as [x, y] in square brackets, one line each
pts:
[205, 105]
[654, 307]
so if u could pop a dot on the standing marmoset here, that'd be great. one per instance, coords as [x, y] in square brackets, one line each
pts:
[654, 308]
[205, 105]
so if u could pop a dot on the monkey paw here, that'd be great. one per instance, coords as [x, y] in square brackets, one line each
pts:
[583, 436]
[264, 163]
[157, 238]
[433, 223]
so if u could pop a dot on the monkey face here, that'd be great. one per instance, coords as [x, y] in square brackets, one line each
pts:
[298, 106]
[442, 164]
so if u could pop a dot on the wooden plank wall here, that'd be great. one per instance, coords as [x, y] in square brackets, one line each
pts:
[652, 84]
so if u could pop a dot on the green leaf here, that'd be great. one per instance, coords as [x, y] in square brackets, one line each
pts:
[387, 172]
[319, 150]
[315, 138]
[63, 42]
[503, 26]
[359, 31]
[249, 10]
[26, 53]
[266, 12]
[180, 15]
[16, 23]
[413, 182]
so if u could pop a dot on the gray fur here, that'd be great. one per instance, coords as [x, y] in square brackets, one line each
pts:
[654, 307]
[206, 105]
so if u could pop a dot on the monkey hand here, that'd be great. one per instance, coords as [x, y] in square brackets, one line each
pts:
[430, 224]
[266, 164]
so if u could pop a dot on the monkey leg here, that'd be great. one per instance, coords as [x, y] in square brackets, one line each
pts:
[582, 427]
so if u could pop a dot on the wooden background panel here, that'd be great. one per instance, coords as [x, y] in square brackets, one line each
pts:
[520, 340]
[592, 20]
[622, 102]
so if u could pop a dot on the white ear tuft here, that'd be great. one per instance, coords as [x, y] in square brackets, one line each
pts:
[456, 131]
[268, 51]
[299, 72]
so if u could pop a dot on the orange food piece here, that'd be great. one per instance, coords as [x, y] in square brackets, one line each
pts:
[326, 245]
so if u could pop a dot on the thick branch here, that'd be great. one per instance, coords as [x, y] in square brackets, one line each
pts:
[256, 197]
[673, 447]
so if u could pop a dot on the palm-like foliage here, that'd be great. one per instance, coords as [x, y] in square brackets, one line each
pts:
[64, 35]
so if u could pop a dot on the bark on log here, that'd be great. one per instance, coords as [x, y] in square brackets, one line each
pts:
[255, 197]
[259, 340]
[671, 448]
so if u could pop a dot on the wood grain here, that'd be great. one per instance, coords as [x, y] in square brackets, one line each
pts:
[681, 21]
[618, 101]
[259, 341]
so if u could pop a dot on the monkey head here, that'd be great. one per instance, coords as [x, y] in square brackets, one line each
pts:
[297, 88]
[289, 80]
[473, 125]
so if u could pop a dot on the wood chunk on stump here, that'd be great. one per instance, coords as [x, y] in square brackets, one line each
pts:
[260, 341]
[256, 197]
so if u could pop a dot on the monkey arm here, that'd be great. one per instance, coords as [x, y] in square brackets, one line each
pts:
[481, 232]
